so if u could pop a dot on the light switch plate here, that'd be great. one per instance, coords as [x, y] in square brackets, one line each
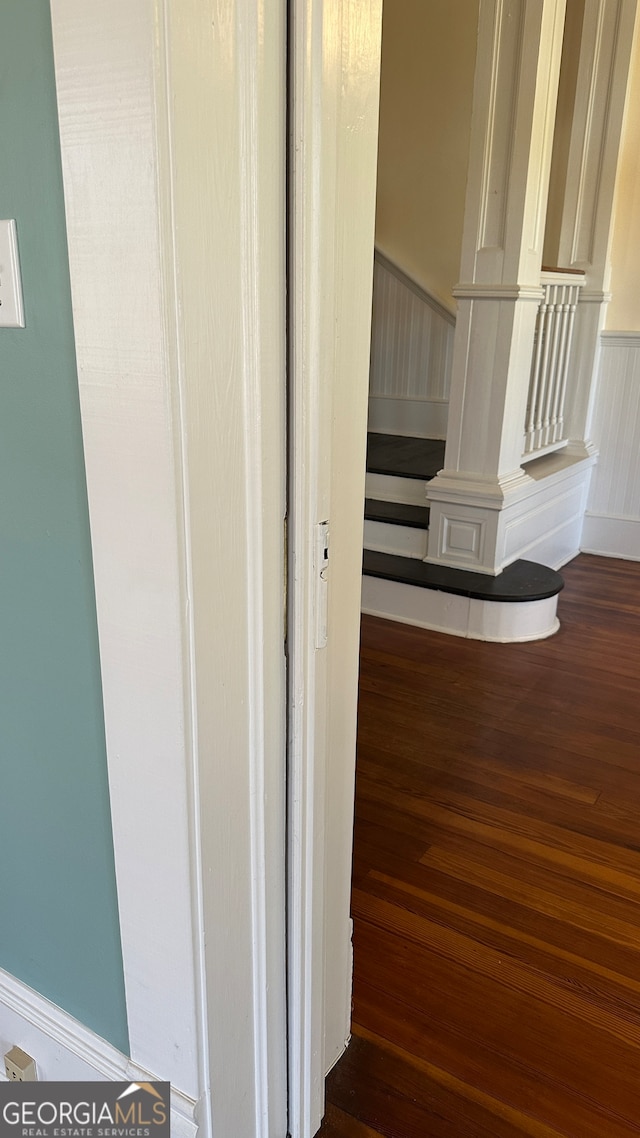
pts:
[11, 307]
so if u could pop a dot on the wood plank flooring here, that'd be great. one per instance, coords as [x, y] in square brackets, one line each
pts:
[496, 887]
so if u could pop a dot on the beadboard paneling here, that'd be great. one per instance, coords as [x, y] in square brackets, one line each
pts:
[411, 349]
[615, 490]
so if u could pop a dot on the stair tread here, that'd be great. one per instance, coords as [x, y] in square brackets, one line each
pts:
[404, 457]
[396, 513]
[520, 581]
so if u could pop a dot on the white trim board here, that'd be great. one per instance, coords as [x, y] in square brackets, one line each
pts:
[615, 339]
[181, 365]
[67, 1050]
[611, 537]
[99, 53]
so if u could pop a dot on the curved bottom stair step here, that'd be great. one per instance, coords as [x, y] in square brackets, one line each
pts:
[518, 605]
[520, 581]
[398, 584]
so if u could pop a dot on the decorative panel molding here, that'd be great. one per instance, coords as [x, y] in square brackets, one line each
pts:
[411, 350]
[505, 73]
[514, 102]
[595, 136]
[615, 491]
[542, 523]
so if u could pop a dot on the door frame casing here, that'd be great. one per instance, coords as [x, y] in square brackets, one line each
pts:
[173, 148]
[173, 137]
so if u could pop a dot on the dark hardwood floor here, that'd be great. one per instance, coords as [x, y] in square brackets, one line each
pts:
[496, 888]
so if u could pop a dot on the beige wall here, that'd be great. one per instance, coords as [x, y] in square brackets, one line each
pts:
[624, 310]
[428, 62]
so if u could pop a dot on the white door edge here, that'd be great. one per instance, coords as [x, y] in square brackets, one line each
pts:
[334, 85]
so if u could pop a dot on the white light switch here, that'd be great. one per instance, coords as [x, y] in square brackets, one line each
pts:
[11, 309]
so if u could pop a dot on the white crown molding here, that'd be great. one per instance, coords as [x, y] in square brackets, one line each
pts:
[491, 494]
[615, 339]
[557, 276]
[479, 291]
[594, 296]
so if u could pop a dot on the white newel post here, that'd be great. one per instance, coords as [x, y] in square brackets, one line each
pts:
[515, 93]
[586, 228]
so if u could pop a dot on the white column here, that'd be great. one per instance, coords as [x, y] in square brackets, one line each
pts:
[586, 226]
[519, 50]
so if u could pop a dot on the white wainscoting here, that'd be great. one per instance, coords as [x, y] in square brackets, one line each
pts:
[65, 1049]
[411, 351]
[546, 525]
[612, 520]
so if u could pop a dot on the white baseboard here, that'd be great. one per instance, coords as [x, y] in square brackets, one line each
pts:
[66, 1050]
[611, 536]
[497, 621]
[413, 418]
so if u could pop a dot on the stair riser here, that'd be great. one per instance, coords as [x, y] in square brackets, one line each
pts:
[405, 541]
[391, 488]
[503, 623]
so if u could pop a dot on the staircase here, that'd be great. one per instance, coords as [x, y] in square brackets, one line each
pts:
[396, 513]
[519, 604]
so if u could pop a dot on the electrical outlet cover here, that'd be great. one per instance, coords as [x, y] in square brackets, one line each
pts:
[20, 1067]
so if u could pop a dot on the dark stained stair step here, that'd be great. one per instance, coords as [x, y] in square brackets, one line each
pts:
[396, 513]
[520, 581]
[404, 457]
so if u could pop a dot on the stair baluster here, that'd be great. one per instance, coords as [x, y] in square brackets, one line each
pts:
[544, 422]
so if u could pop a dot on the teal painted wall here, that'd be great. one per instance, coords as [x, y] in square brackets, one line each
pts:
[59, 929]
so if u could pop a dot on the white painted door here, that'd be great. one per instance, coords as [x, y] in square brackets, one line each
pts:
[334, 85]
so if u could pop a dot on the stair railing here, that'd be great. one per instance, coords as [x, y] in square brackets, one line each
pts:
[544, 422]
